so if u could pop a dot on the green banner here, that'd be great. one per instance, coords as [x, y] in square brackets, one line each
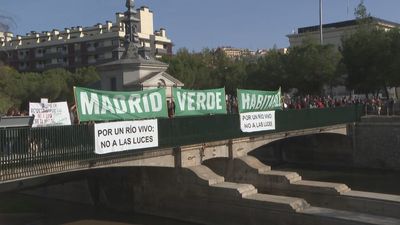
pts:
[199, 102]
[256, 101]
[97, 105]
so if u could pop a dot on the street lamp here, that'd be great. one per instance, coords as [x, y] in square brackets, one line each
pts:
[321, 38]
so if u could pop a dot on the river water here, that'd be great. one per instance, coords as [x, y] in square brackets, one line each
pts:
[19, 209]
[372, 180]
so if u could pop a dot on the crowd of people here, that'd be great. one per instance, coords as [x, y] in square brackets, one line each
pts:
[374, 105]
[14, 111]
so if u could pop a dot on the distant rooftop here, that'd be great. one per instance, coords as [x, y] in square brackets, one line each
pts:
[344, 24]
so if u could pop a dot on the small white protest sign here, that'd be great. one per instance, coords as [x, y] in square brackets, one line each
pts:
[49, 114]
[125, 135]
[257, 121]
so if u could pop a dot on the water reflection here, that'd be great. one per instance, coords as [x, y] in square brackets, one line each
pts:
[20, 209]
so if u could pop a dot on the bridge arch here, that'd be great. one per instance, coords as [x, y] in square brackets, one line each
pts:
[315, 149]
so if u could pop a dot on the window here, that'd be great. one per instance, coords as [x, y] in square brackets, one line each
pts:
[113, 83]
[108, 55]
[114, 42]
[107, 43]
[77, 46]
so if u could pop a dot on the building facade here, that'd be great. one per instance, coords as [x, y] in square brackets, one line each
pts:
[236, 53]
[78, 47]
[334, 32]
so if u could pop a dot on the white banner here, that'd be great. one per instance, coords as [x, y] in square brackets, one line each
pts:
[49, 114]
[257, 121]
[125, 135]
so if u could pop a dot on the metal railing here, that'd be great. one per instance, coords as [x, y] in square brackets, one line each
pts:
[27, 152]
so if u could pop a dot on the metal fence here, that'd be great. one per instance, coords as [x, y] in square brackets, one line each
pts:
[385, 109]
[27, 152]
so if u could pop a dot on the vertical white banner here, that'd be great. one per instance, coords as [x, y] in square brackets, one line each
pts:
[125, 135]
[257, 121]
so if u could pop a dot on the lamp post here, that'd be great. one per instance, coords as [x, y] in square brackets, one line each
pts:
[321, 38]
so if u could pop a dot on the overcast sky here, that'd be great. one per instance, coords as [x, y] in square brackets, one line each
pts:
[196, 24]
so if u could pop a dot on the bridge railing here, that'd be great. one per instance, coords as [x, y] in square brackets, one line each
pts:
[27, 152]
[189, 130]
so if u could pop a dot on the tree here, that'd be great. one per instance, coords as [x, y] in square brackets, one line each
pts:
[6, 101]
[370, 59]
[5, 23]
[187, 67]
[227, 72]
[18, 89]
[393, 78]
[360, 12]
[268, 73]
[206, 69]
[312, 66]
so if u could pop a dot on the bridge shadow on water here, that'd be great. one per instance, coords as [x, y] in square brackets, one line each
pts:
[66, 200]
[22, 209]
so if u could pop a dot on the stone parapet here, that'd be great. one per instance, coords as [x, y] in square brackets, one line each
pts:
[377, 142]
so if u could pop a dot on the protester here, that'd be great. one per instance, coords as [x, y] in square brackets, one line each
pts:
[171, 108]
[13, 111]
[73, 114]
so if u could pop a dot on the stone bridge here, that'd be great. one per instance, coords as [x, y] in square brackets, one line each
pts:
[183, 142]
[201, 172]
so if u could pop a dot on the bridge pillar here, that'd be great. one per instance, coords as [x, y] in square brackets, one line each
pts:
[195, 155]
[187, 156]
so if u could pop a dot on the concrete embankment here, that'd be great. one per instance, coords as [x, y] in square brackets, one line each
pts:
[377, 142]
[197, 194]
[322, 194]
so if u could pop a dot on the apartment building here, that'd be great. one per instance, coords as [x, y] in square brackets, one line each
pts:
[334, 32]
[235, 53]
[77, 47]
